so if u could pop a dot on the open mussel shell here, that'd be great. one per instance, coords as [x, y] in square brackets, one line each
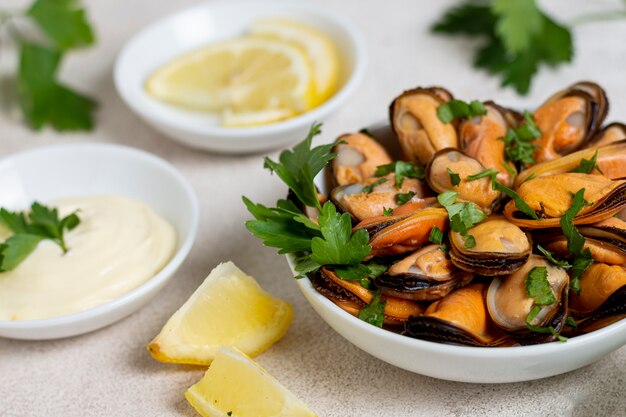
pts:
[481, 138]
[424, 275]
[501, 248]
[569, 119]
[478, 191]
[352, 297]
[395, 235]
[550, 197]
[605, 240]
[609, 134]
[611, 159]
[363, 205]
[413, 117]
[357, 159]
[459, 318]
[509, 304]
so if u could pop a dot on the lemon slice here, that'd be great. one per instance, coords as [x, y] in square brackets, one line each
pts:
[230, 308]
[243, 75]
[318, 47]
[237, 386]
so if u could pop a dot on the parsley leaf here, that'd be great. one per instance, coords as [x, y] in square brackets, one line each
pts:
[374, 312]
[447, 198]
[435, 236]
[28, 230]
[338, 246]
[403, 198]
[458, 109]
[387, 211]
[402, 170]
[454, 177]
[298, 167]
[571, 322]
[579, 265]
[64, 21]
[588, 165]
[367, 132]
[369, 188]
[42, 99]
[517, 34]
[538, 286]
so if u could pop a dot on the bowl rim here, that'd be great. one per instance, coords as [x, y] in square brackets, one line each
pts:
[573, 343]
[151, 284]
[354, 78]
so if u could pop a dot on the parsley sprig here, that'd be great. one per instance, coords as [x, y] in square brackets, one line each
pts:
[373, 313]
[40, 223]
[518, 36]
[330, 241]
[42, 98]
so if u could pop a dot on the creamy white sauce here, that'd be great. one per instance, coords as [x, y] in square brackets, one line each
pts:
[119, 244]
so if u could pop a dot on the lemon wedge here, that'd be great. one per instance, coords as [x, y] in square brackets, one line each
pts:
[247, 75]
[318, 47]
[237, 386]
[229, 308]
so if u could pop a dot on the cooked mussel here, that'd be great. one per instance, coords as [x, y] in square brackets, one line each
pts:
[478, 191]
[609, 134]
[509, 304]
[500, 248]
[413, 117]
[352, 297]
[424, 275]
[481, 138]
[550, 197]
[569, 119]
[369, 198]
[605, 240]
[395, 235]
[460, 318]
[602, 297]
[357, 159]
[611, 159]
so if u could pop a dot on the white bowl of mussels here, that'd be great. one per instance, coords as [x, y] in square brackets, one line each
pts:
[484, 305]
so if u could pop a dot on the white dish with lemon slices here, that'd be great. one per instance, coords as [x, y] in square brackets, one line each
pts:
[170, 76]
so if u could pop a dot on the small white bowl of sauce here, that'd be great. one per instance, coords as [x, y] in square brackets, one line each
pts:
[127, 194]
[209, 22]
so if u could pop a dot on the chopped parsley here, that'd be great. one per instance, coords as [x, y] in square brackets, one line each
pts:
[402, 170]
[576, 241]
[458, 109]
[403, 198]
[587, 165]
[436, 235]
[560, 263]
[369, 188]
[454, 178]
[521, 205]
[571, 322]
[41, 223]
[367, 132]
[387, 211]
[374, 312]
[538, 287]
[518, 142]
[463, 216]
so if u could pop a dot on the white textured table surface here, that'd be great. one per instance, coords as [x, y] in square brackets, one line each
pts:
[109, 372]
